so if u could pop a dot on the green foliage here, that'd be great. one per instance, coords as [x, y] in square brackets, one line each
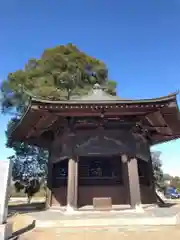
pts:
[32, 188]
[167, 177]
[59, 73]
[157, 168]
[29, 162]
[21, 193]
[160, 177]
[175, 182]
[18, 186]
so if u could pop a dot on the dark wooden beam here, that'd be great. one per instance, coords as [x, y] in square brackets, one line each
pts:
[156, 119]
[36, 126]
[98, 105]
[99, 114]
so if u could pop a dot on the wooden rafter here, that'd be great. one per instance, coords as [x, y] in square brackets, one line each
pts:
[34, 128]
[158, 116]
[45, 118]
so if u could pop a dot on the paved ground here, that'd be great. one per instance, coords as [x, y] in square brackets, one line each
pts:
[162, 233]
[148, 213]
[151, 216]
[107, 233]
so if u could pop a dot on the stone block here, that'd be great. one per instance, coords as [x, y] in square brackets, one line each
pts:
[102, 203]
[5, 231]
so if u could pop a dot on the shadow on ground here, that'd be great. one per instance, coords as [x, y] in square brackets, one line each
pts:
[25, 208]
[16, 234]
[166, 205]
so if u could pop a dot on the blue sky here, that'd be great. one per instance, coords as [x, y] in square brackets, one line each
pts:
[138, 40]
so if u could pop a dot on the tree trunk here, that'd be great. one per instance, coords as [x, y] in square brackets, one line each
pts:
[29, 199]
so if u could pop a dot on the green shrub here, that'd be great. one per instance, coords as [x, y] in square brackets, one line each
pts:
[21, 193]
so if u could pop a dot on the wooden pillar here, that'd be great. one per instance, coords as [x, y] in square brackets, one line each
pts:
[76, 184]
[134, 185]
[49, 181]
[125, 178]
[132, 176]
[72, 185]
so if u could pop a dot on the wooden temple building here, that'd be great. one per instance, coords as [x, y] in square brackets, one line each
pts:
[99, 146]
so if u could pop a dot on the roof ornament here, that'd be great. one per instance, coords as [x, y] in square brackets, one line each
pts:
[98, 93]
[97, 89]
[97, 86]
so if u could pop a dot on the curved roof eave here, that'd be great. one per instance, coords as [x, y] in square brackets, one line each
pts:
[16, 125]
[150, 100]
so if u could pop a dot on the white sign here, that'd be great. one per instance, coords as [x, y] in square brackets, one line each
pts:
[5, 181]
